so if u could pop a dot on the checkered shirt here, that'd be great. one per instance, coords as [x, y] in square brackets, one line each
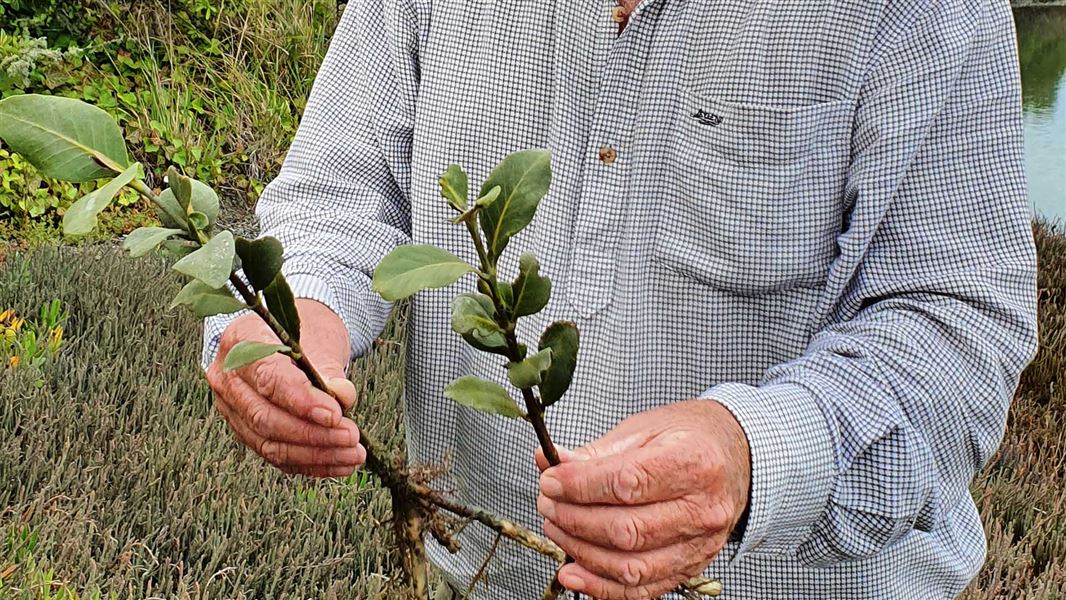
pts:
[815, 215]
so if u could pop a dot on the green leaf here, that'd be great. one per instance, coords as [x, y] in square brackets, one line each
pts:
[563, 340]
[211, 264]
[282, 305]
[204, 200]
[490, 197]
[80, 218]
[453, 187]
[205, 301]
[531, 291]
[408, 270]
[178, 248]
[246, 353]
[182, 187]
[528, 373]
[472, 317]
[260, 259]
[199, 221]
[524, 178]
[483, 395]
[143, 240]
[506, 292]
[63, 138]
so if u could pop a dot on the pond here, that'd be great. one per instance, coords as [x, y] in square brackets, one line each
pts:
[1042, 51]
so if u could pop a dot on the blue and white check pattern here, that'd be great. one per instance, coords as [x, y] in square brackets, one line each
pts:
[816, 216]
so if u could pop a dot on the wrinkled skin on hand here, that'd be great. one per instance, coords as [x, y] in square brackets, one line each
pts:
[272, 408]
[651, 503]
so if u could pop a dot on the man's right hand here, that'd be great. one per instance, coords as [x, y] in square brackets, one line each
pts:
[271, 406]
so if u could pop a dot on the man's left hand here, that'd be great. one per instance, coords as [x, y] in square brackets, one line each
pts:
[650, 504]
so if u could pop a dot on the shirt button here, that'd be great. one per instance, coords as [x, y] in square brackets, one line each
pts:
[608, 155]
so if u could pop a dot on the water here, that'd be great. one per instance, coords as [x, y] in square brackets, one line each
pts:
[1042, 51]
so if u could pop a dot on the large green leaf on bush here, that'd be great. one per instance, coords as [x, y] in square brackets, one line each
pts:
[204, 200]
[530, 371]
[563, 340]
[260, 259]
[63, 138]
[211, 264]
[483, 395]
[143, 240]
[410, 269]
[282, 304]
[80, 218]
[205, 301]
[524, 178]
[472, 318]
[531, 291]
[246, 353]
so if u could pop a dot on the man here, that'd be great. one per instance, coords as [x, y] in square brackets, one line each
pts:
[794, 237]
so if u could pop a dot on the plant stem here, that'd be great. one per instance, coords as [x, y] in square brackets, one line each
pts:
[534, 408]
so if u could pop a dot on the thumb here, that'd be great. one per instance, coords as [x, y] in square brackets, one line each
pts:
[339, 384]
[616, 441]
[344, 390]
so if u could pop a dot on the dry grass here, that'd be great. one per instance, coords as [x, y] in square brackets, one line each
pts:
[1022, 494]
[116, 475]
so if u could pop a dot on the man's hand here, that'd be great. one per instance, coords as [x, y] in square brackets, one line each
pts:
[273, 409]
[651, 503]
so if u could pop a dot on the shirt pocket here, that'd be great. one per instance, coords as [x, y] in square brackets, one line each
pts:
[757, 194]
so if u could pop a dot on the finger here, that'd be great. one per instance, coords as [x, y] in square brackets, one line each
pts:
[565, 455]
[637, 569]
[577, 579]
[282, 454]
[279, 380]
[272, 423]
[636, 528]
[639, 476]
[623, 438]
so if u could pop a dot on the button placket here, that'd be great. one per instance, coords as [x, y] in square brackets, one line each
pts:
[600, 224]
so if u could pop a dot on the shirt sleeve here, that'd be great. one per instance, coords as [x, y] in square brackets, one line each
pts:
[902, 394]
[341, 201]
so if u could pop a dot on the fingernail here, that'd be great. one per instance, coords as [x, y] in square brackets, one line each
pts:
[571, 581]
[550, 486]
[343, 437]
[580, 454]
[322, 416]
[565, 453]
[546, 507]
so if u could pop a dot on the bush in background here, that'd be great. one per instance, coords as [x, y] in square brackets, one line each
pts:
[216, 91]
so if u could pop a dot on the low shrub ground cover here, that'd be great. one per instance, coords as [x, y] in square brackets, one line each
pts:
[128, 484]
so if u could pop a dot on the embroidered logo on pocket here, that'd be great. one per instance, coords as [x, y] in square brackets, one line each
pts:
[707, 118]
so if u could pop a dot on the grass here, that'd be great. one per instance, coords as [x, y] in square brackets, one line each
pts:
[1021, 493]
[128, 485]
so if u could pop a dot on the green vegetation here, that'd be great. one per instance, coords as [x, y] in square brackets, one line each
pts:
[216, 92]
